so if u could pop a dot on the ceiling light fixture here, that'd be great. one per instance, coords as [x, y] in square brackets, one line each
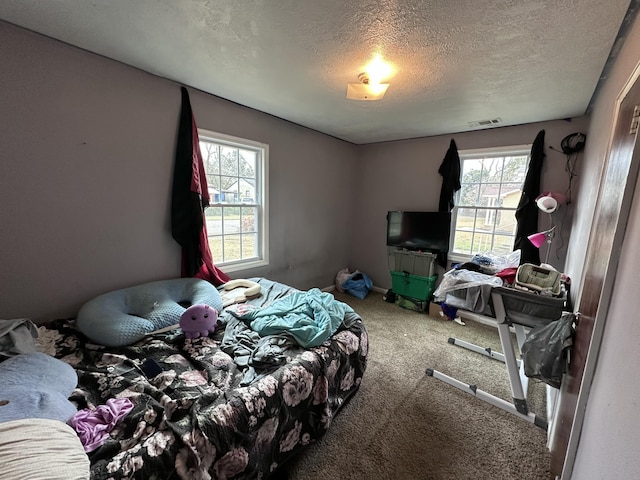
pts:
[365, 90]
[370, 86]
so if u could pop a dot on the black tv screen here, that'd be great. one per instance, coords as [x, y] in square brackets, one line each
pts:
[428, 231]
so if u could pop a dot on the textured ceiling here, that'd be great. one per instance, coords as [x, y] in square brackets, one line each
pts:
[455, 62]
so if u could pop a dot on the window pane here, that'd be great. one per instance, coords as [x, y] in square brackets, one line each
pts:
[488, 220]
[249, 219]
[229, 161]
[465, 220]
[511, 194]
[489, 195]
[215, 245]
[481, 242]
[249, 245]
[465, 224]
[506, 222]
[213, 184]
[471, 171]
[210, 157]
[493, 169]
[229, 189]
[484, 222]
[248, 160]
[247, 190]
[232, 249]
[503, 244]
[231, 220]
[515, 169]
[469, 194]
[214, 220]
[462, 242]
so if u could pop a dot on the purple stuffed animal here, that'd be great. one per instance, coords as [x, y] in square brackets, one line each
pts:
[198, 320]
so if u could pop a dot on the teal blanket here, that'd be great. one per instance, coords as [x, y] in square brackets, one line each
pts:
[309, 317]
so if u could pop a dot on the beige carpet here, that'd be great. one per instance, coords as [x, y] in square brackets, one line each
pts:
[403, 424]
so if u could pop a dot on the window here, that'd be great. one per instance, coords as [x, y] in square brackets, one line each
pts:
[491, 184]
[236, 172]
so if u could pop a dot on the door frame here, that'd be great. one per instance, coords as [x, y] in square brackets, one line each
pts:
[600, 319]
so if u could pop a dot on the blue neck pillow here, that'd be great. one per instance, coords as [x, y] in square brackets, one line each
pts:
[125, 316]
[36, 385]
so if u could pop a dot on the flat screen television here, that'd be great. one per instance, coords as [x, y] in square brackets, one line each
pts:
[427, 231]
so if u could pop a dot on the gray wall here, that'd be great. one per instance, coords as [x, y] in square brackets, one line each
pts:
[404, 176]
[85, 180]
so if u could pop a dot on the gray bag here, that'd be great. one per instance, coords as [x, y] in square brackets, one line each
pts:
[16, 337]
[545, 350]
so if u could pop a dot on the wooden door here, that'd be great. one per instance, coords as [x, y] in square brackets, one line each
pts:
[601, 264]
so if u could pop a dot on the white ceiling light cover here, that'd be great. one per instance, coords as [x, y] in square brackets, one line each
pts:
[364, 91]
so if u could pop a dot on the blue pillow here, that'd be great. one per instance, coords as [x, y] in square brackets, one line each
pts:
[36, 385]
[125, 316]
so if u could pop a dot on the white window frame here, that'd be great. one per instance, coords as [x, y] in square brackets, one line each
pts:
[513, 150]
[261, 198]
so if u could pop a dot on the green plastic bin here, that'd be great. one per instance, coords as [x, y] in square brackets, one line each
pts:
[414, 286]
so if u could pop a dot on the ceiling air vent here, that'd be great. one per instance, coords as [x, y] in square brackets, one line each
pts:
[485, 123]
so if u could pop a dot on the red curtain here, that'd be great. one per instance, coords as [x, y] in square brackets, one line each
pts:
[190, 196]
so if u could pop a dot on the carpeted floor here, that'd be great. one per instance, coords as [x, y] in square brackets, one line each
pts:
[403, 424]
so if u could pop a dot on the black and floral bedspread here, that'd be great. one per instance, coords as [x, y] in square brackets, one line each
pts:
[197, 419]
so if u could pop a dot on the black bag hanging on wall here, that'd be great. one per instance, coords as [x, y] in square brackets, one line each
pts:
[545, 350]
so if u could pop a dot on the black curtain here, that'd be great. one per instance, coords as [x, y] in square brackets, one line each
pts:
[186, 206]
[189, 197]
[450, 172]
[527, 210]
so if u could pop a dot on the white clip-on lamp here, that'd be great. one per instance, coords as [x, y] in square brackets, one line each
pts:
[548, 203]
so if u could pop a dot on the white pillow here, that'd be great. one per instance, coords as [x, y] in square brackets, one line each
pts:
[37, 448]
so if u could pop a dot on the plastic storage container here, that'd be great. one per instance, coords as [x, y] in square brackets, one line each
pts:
[415, 263]
[531, 309]
[413, 286]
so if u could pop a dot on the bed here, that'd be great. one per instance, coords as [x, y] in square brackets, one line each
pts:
[219, 407]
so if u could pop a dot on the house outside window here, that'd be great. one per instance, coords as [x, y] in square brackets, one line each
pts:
[237, 227]
[483, 219]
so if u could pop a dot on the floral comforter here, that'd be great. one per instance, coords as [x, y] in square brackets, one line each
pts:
[199, 418]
